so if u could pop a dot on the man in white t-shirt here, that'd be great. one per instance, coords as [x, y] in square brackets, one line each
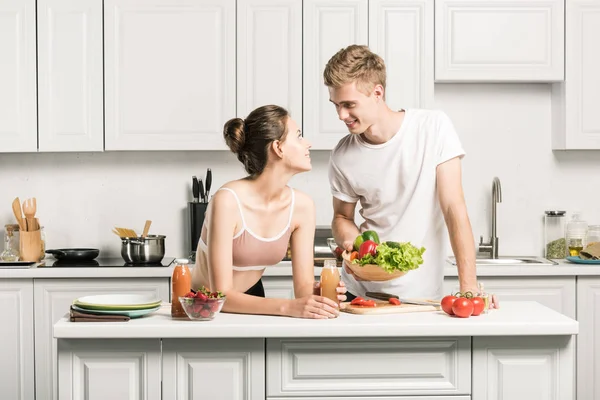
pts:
[404, 167]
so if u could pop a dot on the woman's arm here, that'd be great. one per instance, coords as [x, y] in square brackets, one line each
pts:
[302, 245]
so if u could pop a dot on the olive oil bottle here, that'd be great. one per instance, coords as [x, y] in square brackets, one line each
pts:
[576, 234]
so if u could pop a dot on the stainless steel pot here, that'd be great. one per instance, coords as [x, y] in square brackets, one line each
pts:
[148, 250]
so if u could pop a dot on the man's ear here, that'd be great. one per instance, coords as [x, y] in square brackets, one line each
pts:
[276, 146]
[379, 92]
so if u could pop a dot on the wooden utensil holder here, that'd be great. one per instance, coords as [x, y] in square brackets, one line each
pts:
[30, 244]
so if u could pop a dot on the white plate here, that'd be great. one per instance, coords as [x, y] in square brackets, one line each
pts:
[119, 300]
[129, 313]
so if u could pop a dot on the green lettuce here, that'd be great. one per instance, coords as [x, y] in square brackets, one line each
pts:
[402, 256]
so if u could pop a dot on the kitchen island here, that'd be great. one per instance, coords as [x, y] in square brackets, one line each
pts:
[522, 351]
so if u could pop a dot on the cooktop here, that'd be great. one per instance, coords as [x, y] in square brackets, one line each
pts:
[102, 262]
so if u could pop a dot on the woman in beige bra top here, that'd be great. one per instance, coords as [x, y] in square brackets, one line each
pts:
[249, 222]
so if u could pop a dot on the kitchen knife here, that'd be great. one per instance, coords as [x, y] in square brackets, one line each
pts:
[387, 296]
[195, 189]
[202, 196]
[208, 183]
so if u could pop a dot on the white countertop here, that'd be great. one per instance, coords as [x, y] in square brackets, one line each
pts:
[513, 319]
[87, 272]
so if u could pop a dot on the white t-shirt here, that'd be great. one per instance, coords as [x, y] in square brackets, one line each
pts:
[395, 183]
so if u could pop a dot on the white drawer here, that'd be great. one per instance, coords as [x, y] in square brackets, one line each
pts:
[369, 366]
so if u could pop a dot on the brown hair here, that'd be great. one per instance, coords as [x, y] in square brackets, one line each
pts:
[358, 64]
[250, 138]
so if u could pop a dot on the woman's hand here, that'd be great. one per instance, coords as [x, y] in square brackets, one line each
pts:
[313, 306]
[341, 290]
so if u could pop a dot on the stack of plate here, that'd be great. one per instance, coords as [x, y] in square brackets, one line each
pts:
[132, 305]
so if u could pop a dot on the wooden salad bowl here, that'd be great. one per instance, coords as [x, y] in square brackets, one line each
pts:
[370, 272]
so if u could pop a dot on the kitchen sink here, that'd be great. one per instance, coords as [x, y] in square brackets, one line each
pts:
[510, 260]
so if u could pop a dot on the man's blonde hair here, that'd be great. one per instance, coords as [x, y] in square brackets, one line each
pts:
[358, 64]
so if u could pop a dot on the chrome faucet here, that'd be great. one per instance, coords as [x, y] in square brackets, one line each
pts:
[492, 246]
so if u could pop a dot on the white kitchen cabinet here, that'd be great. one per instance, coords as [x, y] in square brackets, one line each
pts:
[213, 369]
[269, 55]
[17, 381]
[70, 77]
[524, 369]
[52, 298]
[169, 73]
[100, 369]
[557, 293]
[18, 101]
[499, 41]
[401, 31]
[312, 367]
[588, 340]
[278, 287]
[576, 121]
[329, 26]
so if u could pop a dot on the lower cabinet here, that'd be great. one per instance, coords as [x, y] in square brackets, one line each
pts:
[555, 292]
[109, 369]
[278, 287]
[17, 381]
[213, 369]
[52, 300]
[588, 340]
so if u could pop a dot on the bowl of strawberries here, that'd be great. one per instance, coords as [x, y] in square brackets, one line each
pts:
[202, 305]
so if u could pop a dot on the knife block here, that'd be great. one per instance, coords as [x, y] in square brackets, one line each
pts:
[196, 212]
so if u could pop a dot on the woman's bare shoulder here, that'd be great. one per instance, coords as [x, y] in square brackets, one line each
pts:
[304, 203]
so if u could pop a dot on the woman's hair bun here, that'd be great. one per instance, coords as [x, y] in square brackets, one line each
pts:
[234, 134]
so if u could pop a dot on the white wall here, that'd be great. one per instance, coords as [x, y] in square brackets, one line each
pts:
[505, 130]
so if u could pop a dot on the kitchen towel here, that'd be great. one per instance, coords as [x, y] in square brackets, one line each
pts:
[79, 316]
[591, 252]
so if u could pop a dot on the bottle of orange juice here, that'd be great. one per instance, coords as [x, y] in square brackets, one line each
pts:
[330, 280]
[181, 283]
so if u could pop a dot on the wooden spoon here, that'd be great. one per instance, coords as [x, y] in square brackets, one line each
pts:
[30, 208]
[146, 228]
[16, 206]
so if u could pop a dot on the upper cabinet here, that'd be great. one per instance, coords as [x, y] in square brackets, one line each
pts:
[576, 123]
[401, 31]
[169, 69]
[269, 55]
[18, 108]
[329, 25]
[70, 80]
[499, 41]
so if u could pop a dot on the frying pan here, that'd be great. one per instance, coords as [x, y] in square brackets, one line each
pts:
[74, 254]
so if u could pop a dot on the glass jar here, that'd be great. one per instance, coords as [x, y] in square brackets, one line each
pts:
[576, 234]
[43, 243]
[11, 247]
[593, 235]
[554, 234]
[330, 280]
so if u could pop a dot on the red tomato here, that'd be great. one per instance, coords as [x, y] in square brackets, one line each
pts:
[394, 301]
[367, 247]
[462, 307]
[478, 305]
[369, 303]
[357, 301]
[447, 303]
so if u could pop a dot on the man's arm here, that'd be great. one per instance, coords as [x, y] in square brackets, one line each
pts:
[343, 226]
[452, 203]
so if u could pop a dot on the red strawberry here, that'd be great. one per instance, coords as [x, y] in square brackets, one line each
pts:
[204, 313]
[201, 296]
[190, 295]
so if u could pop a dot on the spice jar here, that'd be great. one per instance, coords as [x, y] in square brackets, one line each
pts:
[576, 234]
[554, 234]
[181, 282]
[11, 247]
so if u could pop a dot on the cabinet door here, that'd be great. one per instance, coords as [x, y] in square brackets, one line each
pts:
[70, 80]
[169, 73]
[17, 380]
[329, 25]
[278, 287]
[557, 293]
[123, 369]
[18, 108]
[52, 298]
[230, 369]
[576, 121]
[501, 40]
[401, 32]
[588, 340]
[269, 55]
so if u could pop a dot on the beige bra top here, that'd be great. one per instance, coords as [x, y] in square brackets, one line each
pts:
[251, 251]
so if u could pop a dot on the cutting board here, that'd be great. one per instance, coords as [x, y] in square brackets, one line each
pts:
[384, 307]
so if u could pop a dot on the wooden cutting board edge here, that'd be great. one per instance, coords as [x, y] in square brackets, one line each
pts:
[384, 307]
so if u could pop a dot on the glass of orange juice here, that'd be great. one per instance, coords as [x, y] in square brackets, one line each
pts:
[330, 280]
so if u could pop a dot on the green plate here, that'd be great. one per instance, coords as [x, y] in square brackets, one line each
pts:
[129, 313]
[118, 302]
